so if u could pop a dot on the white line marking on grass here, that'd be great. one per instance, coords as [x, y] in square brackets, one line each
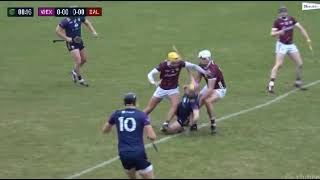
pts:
[201, 126]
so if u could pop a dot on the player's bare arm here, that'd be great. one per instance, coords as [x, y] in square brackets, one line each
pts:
[107, 128]
[62, 33]
[303, 32]
[89, 25]
[198, 78]
[192, 79]
[150, 132]
[275, 32]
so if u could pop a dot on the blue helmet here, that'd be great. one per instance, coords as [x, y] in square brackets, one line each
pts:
[130, 98]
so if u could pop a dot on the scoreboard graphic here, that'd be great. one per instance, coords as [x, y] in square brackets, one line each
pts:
[54, 11]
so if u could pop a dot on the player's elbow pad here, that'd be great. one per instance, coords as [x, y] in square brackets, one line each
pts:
[150, 78]
[191, 66]
[151, 74]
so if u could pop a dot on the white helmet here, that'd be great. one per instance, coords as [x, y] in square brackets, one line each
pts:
[205, 54]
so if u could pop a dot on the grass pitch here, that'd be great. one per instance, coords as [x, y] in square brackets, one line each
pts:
[51, 128]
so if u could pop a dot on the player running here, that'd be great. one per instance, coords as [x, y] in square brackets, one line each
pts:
[70, 30]
[131, 123]
[188, 110]
[168, 86]
[215, 89]
[283, 29]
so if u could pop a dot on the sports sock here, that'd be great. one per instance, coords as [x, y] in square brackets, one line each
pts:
[74, 72]
[271, 83]
[213, 122]
[298, 81]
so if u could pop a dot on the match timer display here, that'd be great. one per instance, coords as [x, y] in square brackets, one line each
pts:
[20, 12]
[69, 12]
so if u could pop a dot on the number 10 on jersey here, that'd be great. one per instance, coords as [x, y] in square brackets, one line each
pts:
[124, 124]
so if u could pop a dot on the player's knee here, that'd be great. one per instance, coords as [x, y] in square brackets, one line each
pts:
[175, 101]
[277, 66]
[83, 61]
[208, 101]
[175, 105]
[78, 62]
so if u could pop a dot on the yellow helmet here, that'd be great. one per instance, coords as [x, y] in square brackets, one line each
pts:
[173, 56]
[192, 86]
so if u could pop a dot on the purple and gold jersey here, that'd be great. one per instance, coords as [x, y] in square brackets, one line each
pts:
[130, 124]
[186, 107]
[72, 26]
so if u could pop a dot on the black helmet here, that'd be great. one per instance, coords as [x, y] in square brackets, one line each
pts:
[282, 9]
[130, 98]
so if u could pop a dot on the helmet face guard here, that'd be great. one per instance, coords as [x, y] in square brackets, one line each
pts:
[204, 55]
[130, 99]
[283, 12]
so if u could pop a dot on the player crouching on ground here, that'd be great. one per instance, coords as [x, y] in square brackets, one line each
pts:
[187, 112]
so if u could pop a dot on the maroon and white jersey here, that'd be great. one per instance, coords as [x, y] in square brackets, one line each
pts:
[283, 24]
[214, 73]
[170, 75]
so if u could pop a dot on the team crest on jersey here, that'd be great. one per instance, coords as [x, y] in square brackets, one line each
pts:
[76, 25]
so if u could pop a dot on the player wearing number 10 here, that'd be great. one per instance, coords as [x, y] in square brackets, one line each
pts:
[130, 124]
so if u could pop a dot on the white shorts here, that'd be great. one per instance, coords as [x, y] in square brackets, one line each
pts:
[161, 93]
[221, 92]
[146, 170]
[285, 48]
